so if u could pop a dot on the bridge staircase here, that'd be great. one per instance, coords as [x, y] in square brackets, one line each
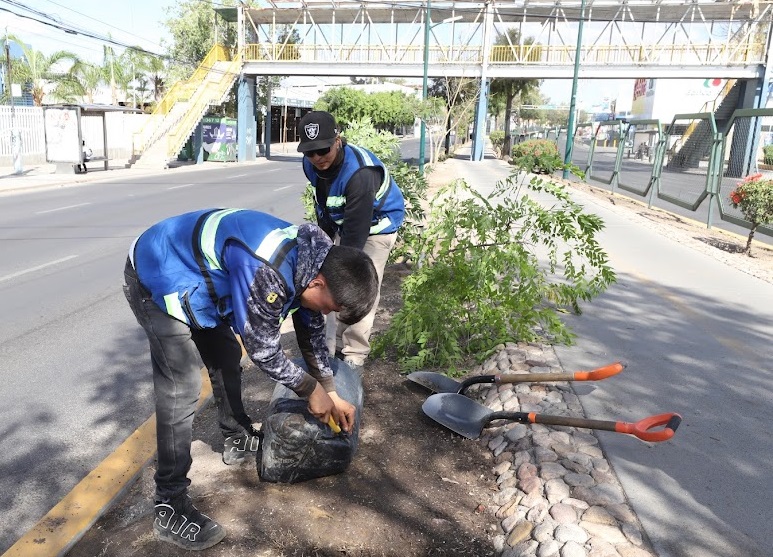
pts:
[696, 140]
[167, 130]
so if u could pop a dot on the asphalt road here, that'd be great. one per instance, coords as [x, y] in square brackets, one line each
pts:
[74, 361]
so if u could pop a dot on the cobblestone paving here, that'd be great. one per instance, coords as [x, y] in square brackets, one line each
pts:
[558, 495]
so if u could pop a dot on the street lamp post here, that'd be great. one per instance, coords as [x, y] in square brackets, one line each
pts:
[423, 135]
[573, 102]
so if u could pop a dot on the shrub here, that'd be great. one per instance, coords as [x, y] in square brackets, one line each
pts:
[494, 269]
[539, 156]
[754, 197]
[497, 141]
[385, 145]
[767, 154]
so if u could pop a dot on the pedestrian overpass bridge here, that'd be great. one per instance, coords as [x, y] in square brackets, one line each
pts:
[518, 39]
[633, 39]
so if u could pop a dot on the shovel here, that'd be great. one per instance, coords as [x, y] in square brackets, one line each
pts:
[439, 383]
[468, 418]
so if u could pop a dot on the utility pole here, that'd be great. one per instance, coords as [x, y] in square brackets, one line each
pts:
[15, 139]
[423, 134]
[8, 70]
[573, 101]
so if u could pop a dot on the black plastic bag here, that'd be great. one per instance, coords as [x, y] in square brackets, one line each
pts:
[296, 445]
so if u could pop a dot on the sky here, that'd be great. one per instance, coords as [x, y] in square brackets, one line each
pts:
[133, 22]
[140, 22]
[590, 92]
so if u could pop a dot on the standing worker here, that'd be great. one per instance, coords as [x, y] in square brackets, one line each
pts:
[189, 280]
[359, 205]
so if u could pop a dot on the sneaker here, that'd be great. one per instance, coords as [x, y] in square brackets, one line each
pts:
[179, 522]
[236, 447]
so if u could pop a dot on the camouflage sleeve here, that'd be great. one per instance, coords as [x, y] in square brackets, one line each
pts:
[263, 295]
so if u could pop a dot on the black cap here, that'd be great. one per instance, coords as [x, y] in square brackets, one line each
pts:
[317, 130]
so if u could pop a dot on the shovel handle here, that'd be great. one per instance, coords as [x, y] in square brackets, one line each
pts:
[596, 375]
[643, 429]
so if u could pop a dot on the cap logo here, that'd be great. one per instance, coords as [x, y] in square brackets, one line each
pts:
[312, 130]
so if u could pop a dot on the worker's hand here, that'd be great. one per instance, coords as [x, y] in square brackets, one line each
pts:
[321, 405]
[346, 412]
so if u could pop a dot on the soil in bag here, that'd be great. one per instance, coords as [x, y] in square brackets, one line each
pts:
[296, 445]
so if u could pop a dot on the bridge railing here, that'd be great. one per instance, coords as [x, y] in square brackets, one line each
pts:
[180, 92]
[537, 54]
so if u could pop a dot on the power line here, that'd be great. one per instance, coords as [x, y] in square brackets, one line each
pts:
[69, 29]
[101, 22]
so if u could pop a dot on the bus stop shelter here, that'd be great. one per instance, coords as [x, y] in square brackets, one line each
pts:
[63, 125]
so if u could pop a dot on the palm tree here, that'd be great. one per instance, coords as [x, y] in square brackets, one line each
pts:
[507, 89]
[141, 92]
[35, 70]
[108, 64]
[136, 63]
[121, 75]
[86, 81]
[157, 71]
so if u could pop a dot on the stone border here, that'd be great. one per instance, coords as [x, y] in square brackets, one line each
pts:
[558, 495]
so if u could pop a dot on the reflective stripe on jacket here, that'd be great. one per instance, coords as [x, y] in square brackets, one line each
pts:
[179, 260]
[388, 205]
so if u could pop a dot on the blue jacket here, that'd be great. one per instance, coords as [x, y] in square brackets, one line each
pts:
[241, 267]
[388, 205]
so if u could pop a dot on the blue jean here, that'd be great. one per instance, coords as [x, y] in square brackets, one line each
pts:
[175, 349]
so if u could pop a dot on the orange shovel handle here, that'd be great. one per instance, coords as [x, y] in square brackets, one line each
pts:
[643, 429]
[599, 373]
[595, 375]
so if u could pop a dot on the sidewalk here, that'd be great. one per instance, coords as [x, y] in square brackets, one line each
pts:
[45, 175]
[693, 323]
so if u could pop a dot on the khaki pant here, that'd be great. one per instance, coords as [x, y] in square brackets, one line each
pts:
[353, 341]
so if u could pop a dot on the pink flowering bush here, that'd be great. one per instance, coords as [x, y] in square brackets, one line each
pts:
[754, 197]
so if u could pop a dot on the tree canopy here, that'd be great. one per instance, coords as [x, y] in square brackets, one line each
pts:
[195, 29]
[386, 110]
[505, 90]
[34, 70]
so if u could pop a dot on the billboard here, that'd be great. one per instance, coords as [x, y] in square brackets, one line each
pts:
[661, 99]
[62, 137]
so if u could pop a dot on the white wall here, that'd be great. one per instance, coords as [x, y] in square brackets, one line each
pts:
[29, 121]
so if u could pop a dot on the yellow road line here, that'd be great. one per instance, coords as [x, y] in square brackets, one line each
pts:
[70, 519]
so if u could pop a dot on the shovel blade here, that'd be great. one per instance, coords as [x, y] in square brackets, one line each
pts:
[435, 382]
[458, 413]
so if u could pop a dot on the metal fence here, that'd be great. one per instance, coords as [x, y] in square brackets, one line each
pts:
[692, 162]
[29, 121]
